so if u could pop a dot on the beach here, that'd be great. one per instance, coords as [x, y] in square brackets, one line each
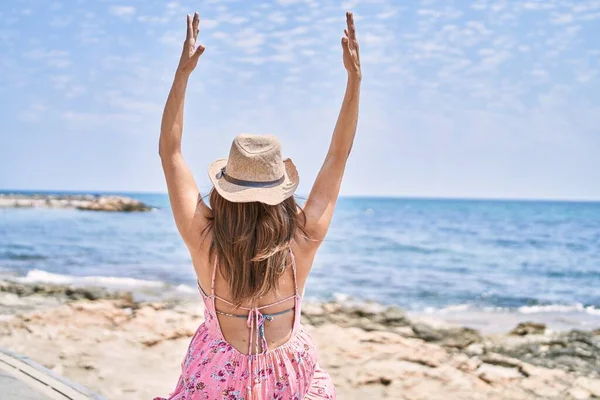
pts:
[126, 349]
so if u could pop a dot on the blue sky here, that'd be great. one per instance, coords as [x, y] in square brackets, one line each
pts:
[484, 98]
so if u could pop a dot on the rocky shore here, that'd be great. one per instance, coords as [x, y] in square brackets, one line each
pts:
[130, 350]
[86, 202]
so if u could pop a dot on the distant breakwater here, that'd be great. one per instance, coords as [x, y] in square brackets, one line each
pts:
[86, 202]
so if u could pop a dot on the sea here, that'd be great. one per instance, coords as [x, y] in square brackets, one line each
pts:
[483, 263]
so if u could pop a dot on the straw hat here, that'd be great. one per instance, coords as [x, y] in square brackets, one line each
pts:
[254, 171]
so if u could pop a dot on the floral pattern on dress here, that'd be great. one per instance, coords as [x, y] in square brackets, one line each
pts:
[212, 369]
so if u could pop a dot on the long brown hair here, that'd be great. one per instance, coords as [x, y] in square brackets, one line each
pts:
[251, 243]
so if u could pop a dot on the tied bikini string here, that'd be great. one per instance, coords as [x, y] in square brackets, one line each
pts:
[255, 322]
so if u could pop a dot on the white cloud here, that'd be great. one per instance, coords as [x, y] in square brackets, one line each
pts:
[540, 73]
[492, 59]
[90, 120]
[370, 39]
[277, 17]
[585, 76]
[536, 5]
[590, 16]
[479, 5]
[232, 19]
[562, 19]
[122, 11]
[220, 35]
[90, 30]
[441, 13]
[119, 101]
[173, 38]
[53, 58]
[153, 19]
[208, 23]
[586, 6]
[33, 113]
[249, 40]
[479, 27]
[387, 14]
[60, 21]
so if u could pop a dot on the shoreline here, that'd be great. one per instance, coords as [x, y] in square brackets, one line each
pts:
[488, 320]
[127, 349]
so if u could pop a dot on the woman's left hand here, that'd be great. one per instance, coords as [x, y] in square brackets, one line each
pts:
[190, 54]
[350, 48]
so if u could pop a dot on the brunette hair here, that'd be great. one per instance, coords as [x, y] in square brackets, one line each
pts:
[251, 243]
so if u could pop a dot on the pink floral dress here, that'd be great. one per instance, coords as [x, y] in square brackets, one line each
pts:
[215, 370]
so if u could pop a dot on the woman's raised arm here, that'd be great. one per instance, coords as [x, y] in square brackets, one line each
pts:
[323, 196]
[183, 191]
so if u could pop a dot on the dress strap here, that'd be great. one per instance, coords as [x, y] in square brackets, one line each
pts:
[214, 274]
[294, 270]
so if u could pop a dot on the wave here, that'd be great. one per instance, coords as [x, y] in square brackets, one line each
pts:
[537, 309]
[559, 308]
[9, 255]
[39, 276]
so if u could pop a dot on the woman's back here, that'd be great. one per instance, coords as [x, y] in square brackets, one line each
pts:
[233, 320]
[262, 354]
[279, 306]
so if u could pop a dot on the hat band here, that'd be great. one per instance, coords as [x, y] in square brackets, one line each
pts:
[241, 182]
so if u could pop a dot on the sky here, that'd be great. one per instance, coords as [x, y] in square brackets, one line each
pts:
[475, 99]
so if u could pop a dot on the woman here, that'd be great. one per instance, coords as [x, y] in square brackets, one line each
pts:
[253, 249]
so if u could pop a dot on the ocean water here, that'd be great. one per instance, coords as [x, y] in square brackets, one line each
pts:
[420, 254]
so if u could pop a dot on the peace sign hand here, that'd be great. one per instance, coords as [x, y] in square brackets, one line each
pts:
[190, 54]
[350, 48]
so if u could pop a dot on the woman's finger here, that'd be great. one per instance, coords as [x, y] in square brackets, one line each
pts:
[195, 24]
[345, 44]
[199, 50]
[189, 34]
[350, 23]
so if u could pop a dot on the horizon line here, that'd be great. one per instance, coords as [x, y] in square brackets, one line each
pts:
[350, 196]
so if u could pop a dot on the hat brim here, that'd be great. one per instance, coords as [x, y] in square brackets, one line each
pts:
[243, 194]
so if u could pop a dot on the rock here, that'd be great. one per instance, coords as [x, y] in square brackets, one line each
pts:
[579, 394]
[406, 331]
[426, 332]
[474, 349]
[467, 365]
[590, 385]
[529, 328]
[497, 374]
[502, 361]
[392, 317]
[459, 338]
[366, 316]
[114, 204]
[80, 202]
[66, 291]
[313, 314]
[574, 351]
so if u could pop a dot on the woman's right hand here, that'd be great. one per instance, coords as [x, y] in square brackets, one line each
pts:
[190, 54]
[350, 48]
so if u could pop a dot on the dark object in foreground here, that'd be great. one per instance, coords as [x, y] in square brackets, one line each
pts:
[21, 378]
